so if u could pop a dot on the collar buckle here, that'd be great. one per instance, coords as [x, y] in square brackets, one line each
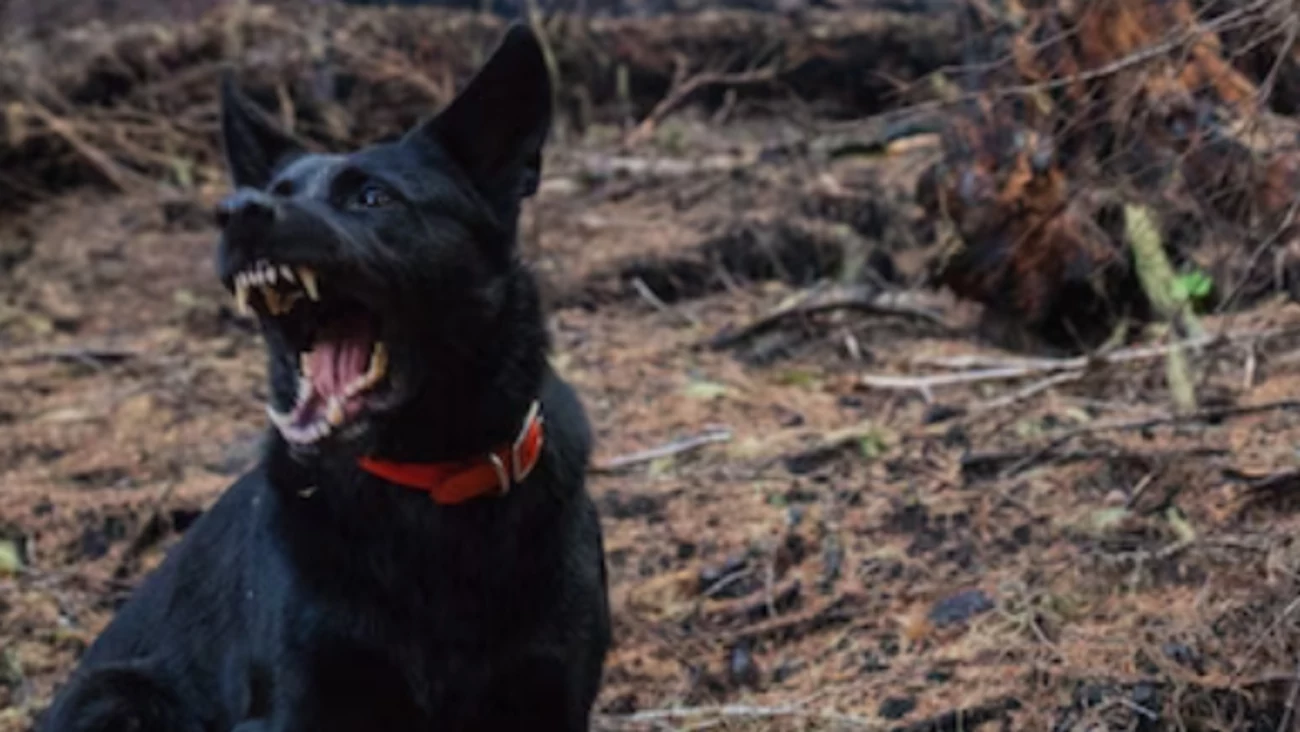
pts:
[503, 477]
[520, 465]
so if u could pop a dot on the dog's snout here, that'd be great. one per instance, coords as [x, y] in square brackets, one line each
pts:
[247, 210]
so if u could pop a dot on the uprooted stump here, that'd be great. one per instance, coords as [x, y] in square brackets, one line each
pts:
[134, 105]
[1099, 105]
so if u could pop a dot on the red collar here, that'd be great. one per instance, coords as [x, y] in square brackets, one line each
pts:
[460, 481]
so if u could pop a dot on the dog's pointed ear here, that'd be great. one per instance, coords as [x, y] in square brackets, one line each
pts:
[254, 145]
[495, 128]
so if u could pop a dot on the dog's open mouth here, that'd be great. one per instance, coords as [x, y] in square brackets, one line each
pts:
[341, 362]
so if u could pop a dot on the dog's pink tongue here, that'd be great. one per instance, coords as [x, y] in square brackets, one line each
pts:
[340, 356]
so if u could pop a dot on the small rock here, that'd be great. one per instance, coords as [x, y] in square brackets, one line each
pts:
[1089, 695]
[939, 675]
[936, 413]
[897, 707]
[1145, 694]
[784, 671]
[956, 436]
[872, 663]
[832, 565]
[625, 704]
[616, 506]
[94, 543]
[960, 607]
[742, 669]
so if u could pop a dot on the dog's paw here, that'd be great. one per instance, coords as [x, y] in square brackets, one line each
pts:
[119, 699]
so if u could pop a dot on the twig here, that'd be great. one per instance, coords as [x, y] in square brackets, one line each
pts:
[657, 303]
[742, 711]
[1033, 389]
[597, 165]
[925, 383]
[675, 447]
[680, 92]
[865, 298]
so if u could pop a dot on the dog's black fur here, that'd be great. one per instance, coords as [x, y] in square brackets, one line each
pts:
[314, 597]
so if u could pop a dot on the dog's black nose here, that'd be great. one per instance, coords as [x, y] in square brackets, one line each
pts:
[247, 209]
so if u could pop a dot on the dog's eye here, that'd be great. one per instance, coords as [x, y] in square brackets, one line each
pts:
[373, 196]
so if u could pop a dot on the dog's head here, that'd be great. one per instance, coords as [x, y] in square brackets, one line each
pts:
[382, 278]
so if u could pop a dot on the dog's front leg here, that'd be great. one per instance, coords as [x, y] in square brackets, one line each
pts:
[126, 696]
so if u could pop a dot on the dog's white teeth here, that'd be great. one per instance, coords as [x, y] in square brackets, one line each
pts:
[308, 278]
[378, 368]
[334, 413]
[301, 435]
[282, 421]
[304, 391]
[241, 296]
[271, 275]
[378, 364]
[286, 274]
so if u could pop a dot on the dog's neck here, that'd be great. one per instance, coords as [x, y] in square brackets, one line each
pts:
[479, 401]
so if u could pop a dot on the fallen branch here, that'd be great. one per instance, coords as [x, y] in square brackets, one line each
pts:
[122, 179]
[675, 447]
[657, 303]
[1000, 369]
[1033, 389]
[742, 711]
[978, 465]
[864, 298]
[1200, 415]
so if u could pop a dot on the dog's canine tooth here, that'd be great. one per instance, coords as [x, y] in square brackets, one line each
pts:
[334, 413]
[241, 297]
[378, 363]
[271, 274]
[286, 273]
[319, 430]
[304, 391]
[308, 279]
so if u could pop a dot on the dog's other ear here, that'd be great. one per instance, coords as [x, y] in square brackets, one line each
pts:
[253, 144]
[495, 128]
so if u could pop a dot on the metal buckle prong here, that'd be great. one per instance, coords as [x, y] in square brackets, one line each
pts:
[503, 477]
[517, 467]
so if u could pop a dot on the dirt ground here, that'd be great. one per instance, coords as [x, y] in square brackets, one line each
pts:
[1045, 551]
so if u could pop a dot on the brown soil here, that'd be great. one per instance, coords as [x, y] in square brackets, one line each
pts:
[853, 558]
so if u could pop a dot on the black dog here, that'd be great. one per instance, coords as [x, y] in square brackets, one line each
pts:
[416, 550]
